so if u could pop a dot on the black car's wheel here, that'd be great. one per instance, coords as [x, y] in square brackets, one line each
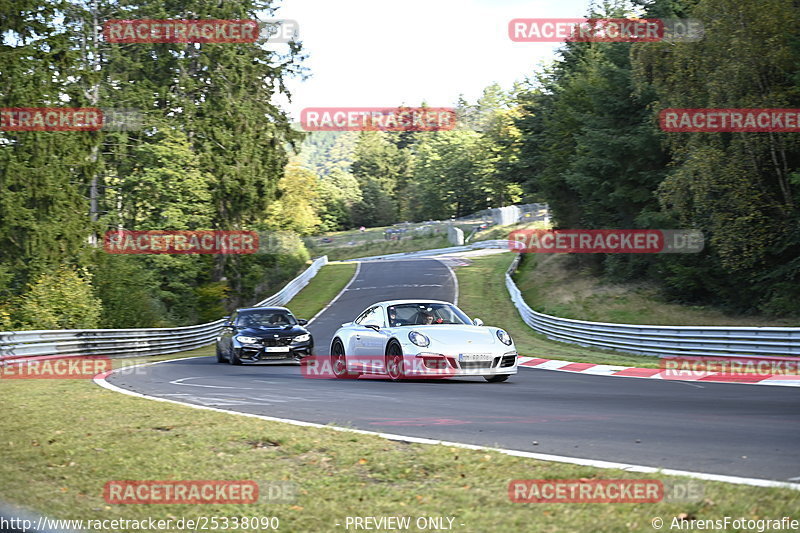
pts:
[220, 357]
[499, 378]
[339, 362]
[233, 358]
[395, 365]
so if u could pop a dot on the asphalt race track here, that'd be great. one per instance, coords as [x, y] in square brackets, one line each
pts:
[730, 429]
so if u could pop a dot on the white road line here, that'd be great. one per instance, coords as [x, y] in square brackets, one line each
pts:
[355, 275]
[455, 280]
[403, 286]
[755, 482]
[181, 380]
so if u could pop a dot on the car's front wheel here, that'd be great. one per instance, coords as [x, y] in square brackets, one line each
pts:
[499, 378]
[395, 364]
[220, 357]
[339, 362]
[233, 358]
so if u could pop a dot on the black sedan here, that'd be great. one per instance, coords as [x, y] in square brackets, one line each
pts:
[256, 334]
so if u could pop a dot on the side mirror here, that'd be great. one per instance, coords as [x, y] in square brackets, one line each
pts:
[227, 322]
[302, 321]
[478, 322]
[375, 327]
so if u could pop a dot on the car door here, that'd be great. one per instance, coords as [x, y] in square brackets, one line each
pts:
[371, 344]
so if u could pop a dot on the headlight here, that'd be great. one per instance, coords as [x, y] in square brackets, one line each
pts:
[247, 340]
[302, 338]
[419, 339]
[504, 337]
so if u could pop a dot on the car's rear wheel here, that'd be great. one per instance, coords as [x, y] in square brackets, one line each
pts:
[220, 357]
[339, 362]
[395, 364]
[497, 379]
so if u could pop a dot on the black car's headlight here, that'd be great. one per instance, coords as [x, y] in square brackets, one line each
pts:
[504, 337]
[302, 338]
[247, 340]
[419, 339]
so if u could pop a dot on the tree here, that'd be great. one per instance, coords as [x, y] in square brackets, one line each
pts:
[382, 170]
[61, 299]
[294, 210]
[741, 189]
[44, 207]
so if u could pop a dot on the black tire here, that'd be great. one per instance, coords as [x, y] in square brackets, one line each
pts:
[220, 357]
[395, 364]
[339, 362]
[233, 358]
[499, 378]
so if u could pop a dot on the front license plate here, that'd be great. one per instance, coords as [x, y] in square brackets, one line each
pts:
[471, 357]
[278, 349]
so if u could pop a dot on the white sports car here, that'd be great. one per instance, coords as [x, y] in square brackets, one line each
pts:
[421, 339]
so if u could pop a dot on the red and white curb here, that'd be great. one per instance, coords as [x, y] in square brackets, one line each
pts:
[659, 373]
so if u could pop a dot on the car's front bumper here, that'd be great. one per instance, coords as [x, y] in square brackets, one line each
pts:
[251, 353]
[426, 364]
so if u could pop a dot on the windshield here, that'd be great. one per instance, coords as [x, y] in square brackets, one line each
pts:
[424, 314]
[265, 319]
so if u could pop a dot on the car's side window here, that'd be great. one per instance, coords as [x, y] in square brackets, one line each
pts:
[362, 316]
[373, 317]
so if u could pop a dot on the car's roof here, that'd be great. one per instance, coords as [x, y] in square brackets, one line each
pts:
[261, 309]
[407, 301]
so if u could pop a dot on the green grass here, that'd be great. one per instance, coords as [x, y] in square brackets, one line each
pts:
[483, 294]
[322, 288]
[551, 284]
[62, 440]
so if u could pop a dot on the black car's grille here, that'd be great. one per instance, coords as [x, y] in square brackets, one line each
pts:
[284, 341]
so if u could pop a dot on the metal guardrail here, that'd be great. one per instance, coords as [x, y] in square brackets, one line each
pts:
[133, 342]
[719, 341]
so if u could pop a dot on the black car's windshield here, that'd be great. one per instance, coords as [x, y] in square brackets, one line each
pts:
[414, 314]
[265, 319]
